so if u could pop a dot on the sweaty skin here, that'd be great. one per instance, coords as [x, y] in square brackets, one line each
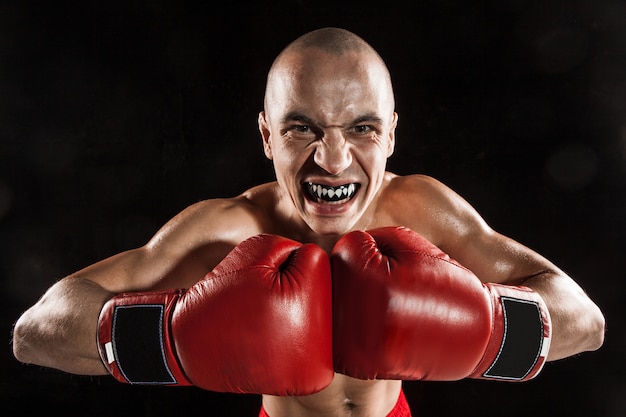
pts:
[329, 127]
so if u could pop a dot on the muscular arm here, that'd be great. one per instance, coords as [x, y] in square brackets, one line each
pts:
[577, 322]
[59, 331]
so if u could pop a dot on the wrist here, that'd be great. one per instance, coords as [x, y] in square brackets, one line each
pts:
[134, 338]
[520, 336]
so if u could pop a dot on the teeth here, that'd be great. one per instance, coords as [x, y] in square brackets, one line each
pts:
[328, 193]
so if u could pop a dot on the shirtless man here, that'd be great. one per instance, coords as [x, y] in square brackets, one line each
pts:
[328, 125]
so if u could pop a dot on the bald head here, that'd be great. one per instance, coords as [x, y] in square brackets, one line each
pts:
[332, 40]
[340, 45]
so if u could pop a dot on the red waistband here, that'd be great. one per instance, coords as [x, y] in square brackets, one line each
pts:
[401, 409]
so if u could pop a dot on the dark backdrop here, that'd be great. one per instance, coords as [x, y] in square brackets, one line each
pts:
[114, 116]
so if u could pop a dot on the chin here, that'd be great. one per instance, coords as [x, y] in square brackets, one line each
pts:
[330, 227]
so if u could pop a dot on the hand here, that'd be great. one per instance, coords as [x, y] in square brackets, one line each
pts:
[260, 322]
[403, 309]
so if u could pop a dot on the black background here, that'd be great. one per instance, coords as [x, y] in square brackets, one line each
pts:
[114, 116]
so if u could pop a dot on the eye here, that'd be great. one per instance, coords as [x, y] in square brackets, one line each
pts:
[296, 130]
[363, 129]
[300, 128]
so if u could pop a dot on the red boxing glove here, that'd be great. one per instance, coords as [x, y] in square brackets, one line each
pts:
[259, 323]
[403, 309]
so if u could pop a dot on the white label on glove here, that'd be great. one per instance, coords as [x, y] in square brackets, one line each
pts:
[108, 347]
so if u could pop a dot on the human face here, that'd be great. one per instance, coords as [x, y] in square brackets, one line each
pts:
[329, 126]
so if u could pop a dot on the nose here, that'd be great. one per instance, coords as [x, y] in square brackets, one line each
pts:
[333, 153]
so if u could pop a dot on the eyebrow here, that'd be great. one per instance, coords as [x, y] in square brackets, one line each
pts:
[295, 116]
[299, 117]
[368, 117]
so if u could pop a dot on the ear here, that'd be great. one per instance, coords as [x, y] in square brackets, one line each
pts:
[392, 135]
[265, 135]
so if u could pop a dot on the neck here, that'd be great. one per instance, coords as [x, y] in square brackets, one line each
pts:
[326, 242]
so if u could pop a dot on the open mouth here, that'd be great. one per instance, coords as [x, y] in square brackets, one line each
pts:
[325, 193]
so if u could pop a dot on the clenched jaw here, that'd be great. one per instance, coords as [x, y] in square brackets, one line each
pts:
[322, 193]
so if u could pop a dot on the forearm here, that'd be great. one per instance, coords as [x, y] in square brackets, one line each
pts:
[59, 331]
[577, 322]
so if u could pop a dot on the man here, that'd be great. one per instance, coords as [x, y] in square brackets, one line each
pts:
[267, 309]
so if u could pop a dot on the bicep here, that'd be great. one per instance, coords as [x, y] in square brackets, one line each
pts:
[125, 271]
[577, 322]
[494, 257]
[181, 253]
[144, 268]
[168, 264]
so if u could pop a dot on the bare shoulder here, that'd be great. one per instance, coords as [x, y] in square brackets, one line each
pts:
[417, 194]
[430, 207]
[417, 185]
